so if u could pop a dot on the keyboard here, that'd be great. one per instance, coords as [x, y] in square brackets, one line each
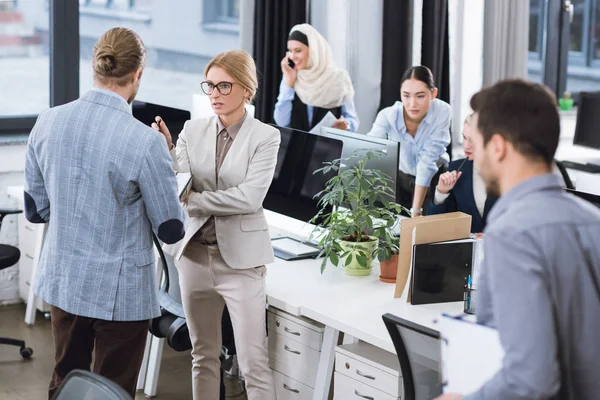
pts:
[591, 168]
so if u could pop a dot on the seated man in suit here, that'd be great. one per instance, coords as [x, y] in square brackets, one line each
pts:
[466, 194]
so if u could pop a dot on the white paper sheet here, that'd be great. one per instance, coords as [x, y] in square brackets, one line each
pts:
[327, 122]
[471, 354]
[184, 183]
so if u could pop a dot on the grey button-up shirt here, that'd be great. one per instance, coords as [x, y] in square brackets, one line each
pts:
[537, 290]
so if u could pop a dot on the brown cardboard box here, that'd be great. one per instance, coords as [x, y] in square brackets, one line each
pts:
[432, 228]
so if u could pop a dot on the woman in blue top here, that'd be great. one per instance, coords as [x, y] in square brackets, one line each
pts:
[462, 188]
[313, 85]
[421, 123]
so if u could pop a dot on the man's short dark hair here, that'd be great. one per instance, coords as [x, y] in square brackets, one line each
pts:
[524, 113]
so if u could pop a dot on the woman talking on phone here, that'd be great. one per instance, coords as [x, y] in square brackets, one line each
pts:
[221, 260]
[312, 85]
[421, 123]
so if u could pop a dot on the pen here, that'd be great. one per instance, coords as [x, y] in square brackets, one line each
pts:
[469, 282]
[461, 164]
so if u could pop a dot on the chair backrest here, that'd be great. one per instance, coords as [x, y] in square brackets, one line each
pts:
[409, 369]
[85, 385]
[565, 175]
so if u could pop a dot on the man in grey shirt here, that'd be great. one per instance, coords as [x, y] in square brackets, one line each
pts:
[539, 284]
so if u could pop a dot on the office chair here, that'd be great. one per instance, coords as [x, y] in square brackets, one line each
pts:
[565, 175]
[80, 384]
[407, 370]
[9, 256]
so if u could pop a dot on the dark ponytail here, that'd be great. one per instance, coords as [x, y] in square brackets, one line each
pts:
[420, 73]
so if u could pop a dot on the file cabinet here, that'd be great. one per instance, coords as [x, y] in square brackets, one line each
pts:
[294, 351]
[363, 371]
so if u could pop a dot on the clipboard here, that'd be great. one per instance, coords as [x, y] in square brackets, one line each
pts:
[471, 354]
[290, 249]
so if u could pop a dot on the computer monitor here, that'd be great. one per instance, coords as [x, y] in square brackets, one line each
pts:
[353, 142]
[587, 130]
[174, 118]
[294, 185]
[592, 198]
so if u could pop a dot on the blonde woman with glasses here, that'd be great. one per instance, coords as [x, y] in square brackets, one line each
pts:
[221, 260]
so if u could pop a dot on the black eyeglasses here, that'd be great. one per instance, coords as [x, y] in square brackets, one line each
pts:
[223, 87]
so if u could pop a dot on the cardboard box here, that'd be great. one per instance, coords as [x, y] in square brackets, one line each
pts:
[431, 229]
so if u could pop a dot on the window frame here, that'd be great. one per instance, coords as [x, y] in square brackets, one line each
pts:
[64, 64]
[557, 56]
[214, 20]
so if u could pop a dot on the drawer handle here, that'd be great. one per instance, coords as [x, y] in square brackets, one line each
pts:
[290, 350]
[29, 228]
[356, 392]
[28, 256]
[365, 375]
[286, 387]
[291, 332]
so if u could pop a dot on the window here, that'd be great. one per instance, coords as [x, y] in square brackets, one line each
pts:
[573, 66]
[223, 15]
[536, 38]
[24, 60]
[229, 11]
[179, 45]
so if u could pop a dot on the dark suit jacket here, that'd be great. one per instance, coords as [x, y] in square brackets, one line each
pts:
[462, 198]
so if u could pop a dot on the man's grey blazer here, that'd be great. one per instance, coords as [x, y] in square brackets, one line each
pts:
[102, 181]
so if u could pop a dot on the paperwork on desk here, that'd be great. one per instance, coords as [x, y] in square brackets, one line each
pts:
[471, 354]
[429, 229]
[326, 122]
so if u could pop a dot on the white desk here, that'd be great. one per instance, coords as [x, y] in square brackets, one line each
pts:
[352, 305]
[343, 303]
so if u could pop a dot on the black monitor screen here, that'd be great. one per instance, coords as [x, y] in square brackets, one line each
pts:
[173, 117]
[294, 184]
[587, 130]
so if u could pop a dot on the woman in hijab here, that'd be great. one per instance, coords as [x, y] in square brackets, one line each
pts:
[313, 85]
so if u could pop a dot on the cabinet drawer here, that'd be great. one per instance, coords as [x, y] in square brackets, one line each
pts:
[293, 359]
[295, 329]
[368, 374]
[346, 388]
[288, 389]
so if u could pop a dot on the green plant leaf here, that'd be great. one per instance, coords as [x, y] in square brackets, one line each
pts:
[362, 260]
[348, 259]
[333, 257]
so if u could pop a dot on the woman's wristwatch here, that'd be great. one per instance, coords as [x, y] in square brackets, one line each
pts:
[414, 211]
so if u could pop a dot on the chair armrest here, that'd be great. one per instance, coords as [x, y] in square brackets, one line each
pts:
[9, 211]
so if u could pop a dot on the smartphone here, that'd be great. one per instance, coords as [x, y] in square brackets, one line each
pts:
[291, 63]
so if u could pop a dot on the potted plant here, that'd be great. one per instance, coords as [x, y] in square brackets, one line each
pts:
[388, 259]
[358, 216]
[566, 102]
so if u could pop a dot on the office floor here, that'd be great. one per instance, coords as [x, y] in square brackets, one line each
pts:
[28, 379]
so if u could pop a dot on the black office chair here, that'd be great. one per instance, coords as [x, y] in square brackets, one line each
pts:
[80, 384]
[393, 325]
[565, 175]
[9, 256]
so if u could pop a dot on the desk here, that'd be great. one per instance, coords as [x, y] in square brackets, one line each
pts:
[352, 305]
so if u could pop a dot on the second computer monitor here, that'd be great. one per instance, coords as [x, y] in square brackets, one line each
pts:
[587, 130]
[353, 142]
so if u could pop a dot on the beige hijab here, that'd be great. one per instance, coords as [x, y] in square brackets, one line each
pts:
[321, 83]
